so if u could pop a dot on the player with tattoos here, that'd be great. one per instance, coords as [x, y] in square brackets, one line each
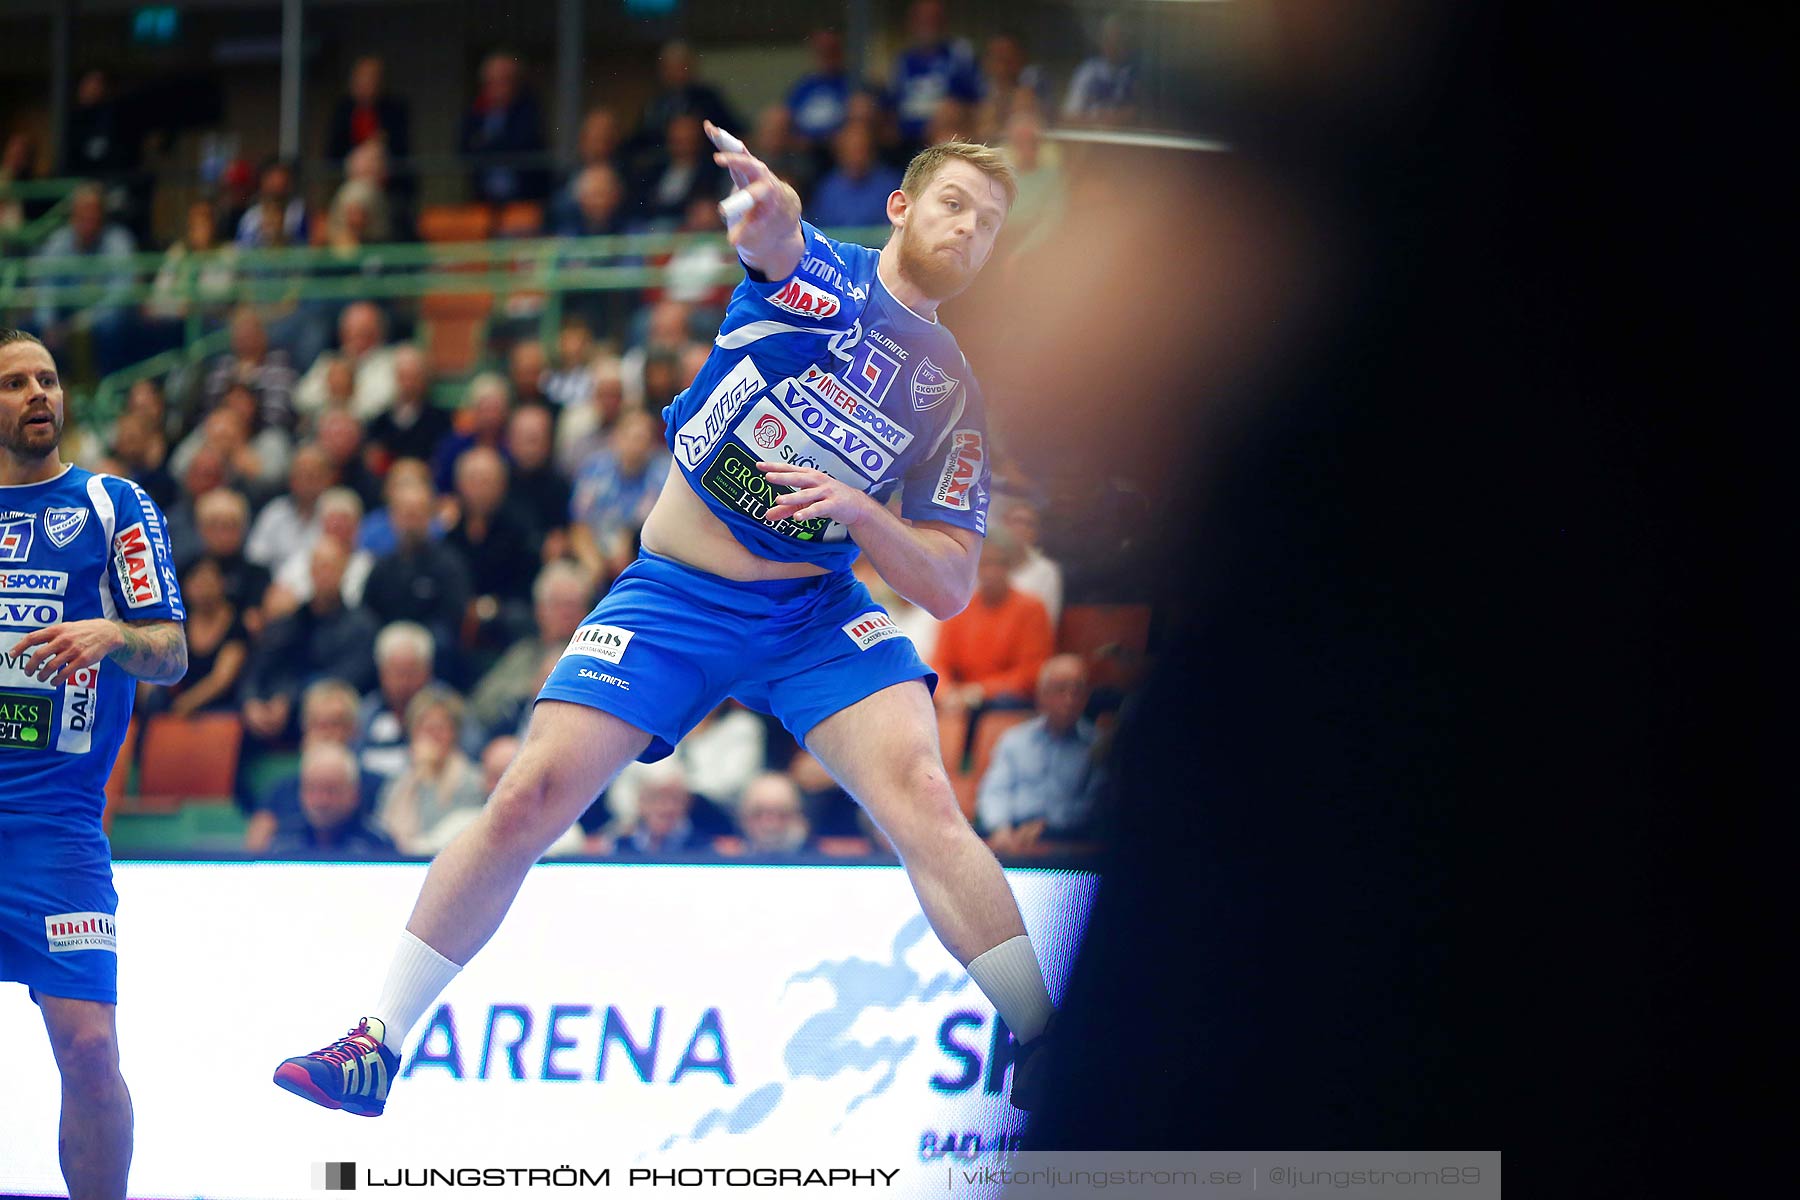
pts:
[88, 606]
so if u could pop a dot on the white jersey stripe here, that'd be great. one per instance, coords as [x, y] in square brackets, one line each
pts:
[103, 508]
[756, 331]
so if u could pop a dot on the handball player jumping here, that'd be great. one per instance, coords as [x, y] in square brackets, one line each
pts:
[830, 388]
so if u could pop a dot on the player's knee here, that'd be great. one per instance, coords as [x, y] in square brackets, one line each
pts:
[515, 812]
[88, 1057]
[924, 804]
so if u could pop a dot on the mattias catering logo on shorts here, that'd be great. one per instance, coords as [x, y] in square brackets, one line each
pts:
[604, 642]
[871, 628]
[81, 931]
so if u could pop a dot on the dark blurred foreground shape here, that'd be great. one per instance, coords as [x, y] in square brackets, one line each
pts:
[1432, 684]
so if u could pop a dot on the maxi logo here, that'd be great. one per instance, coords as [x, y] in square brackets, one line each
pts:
[702, 431]
[801, 297]
[734, 481]
[34, 583]
[15, 536]
[832, 391]
[962, 467]
[605, 642]
[782, 440]
[24, 721]
[134, 562]
[153, 530]
[30, 614]
[931, 385]
[61, 525]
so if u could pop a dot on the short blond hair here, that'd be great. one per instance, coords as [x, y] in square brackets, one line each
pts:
[929, 161]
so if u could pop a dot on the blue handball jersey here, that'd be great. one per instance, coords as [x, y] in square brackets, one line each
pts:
[72, 548]
[826, 369]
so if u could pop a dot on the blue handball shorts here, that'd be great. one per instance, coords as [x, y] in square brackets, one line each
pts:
[669, 642]
[58, 927]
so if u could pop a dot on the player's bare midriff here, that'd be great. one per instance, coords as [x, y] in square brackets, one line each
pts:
[681, 527]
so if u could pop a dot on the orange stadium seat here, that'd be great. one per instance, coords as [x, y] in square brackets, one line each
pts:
[987, 735]
[953, 732]
[121, 774]
[1111, 637]
[188, 758]
[453, 345]
[456, 223]
[521, 218]
[455, 322]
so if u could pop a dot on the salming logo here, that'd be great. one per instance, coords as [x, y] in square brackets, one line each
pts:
[366, 1076]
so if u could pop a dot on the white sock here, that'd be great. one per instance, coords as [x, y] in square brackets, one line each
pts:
[415, 977]
[1009, 976]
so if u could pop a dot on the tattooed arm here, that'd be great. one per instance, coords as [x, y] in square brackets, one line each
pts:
[154, 651]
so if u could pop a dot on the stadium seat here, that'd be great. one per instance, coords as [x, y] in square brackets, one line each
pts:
[521, 218]
[953, 732]
[188, 758]
[1111, 637]
[453, 344]
[121, 774]
[987, 735]
[456, 222]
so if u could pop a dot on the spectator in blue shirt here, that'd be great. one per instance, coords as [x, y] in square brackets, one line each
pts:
[1104, 88]
[856, 192]
[1045, 779]
[335, 825]
[277, 194]
[89, 234]
[614, 491]
[933, 67]
[820, 101]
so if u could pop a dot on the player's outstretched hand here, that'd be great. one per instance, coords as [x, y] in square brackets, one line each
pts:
[816, 495]
[762, 215]
[66, 647]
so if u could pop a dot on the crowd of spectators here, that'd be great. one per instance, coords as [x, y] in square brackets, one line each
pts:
[379, 581]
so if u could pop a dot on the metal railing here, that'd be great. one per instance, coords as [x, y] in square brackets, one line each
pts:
[60, 191]
[501, 269]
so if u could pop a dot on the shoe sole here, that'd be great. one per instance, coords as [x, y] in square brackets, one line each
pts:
[294, 1079]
